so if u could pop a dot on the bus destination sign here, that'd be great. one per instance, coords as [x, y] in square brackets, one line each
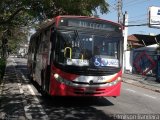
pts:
[89, 23]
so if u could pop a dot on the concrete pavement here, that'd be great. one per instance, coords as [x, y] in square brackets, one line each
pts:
[147, 82]
[12, 101]
[18, 100]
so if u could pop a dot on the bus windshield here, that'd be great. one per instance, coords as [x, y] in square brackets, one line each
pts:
[74, 48]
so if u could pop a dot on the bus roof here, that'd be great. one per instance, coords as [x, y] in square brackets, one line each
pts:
[87, 17]
[50, 22]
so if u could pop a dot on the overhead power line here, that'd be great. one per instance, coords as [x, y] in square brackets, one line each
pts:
[130, 2]
[138, 16]
[112, 7]
[138, 20]
[135, 3]
[144, 24]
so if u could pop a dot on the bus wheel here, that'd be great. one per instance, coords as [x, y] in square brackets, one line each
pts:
[47, 78]
[30, 76]
[43, 85]
[42, 80]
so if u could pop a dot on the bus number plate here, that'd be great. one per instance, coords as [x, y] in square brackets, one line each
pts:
[100, 78]
[90, 90]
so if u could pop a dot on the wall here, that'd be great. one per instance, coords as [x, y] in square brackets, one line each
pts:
[142, 60]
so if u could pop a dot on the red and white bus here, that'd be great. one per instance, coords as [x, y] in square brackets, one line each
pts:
[77, 56]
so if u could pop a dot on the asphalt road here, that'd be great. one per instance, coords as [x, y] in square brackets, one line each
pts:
[133, 101]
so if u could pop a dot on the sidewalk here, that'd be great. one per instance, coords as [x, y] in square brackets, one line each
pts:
[142, 81]
[11, 104]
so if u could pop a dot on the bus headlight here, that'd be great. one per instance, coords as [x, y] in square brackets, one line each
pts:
[115, 82]
[62, 80]
[119, 78]
[56, 76]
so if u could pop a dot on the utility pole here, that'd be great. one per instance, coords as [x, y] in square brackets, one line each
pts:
[125, 34]
[125, 22]
[119, 10]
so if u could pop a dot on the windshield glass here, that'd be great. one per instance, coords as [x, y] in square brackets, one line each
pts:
[78, 49]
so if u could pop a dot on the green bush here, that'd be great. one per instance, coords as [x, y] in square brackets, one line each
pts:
[2, 67]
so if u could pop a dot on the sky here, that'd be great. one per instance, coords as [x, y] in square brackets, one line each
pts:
[137, 14]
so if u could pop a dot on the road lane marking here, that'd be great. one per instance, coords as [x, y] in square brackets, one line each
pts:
[42, 111]
[20, 88]
[39, 106]
[149, 96]
[142, 94]
[26, 106]
[24, 101]
[131, 90]
[27, 114]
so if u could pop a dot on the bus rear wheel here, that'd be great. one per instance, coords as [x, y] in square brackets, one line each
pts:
[44, 91]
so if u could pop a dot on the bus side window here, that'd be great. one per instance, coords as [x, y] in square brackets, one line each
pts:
[46, 43]
[53, 42]
[53, 38]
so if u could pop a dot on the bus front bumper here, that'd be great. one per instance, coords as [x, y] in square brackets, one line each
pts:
[61, 89]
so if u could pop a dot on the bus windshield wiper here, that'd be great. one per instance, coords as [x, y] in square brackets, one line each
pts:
[76, 35]
[78, 39]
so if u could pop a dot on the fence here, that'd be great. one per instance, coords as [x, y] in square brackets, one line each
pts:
[144, 62]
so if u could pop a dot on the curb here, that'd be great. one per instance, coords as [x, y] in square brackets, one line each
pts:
[2, 80]
[143, 86]
[1, 88]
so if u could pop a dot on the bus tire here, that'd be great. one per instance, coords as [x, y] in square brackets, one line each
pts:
[47, 78]
[43, 84]
[30, 75]
[42, 80]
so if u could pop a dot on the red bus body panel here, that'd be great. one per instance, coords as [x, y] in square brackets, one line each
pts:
[58, 89]
[61, 89]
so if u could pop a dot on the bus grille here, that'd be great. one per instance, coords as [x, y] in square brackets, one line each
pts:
[81, 91]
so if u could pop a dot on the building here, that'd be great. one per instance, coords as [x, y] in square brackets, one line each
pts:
[138, 40]
[23, 50]
[141, 56]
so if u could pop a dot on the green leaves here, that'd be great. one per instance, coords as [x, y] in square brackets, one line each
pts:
[2, 67]
[15, 14]
[26, 11]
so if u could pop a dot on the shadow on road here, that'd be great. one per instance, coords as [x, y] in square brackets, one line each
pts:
[77, 101]
[72, 108]
[11, 106]
[56, 108]
[76, 108]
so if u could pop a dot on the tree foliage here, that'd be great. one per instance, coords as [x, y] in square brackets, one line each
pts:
[21, 12]
[73, 7]
[15, 14]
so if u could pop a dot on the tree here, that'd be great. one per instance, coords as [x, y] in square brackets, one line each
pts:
[14, 15]
[21, 13]
[18, 36]
[43, 9]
